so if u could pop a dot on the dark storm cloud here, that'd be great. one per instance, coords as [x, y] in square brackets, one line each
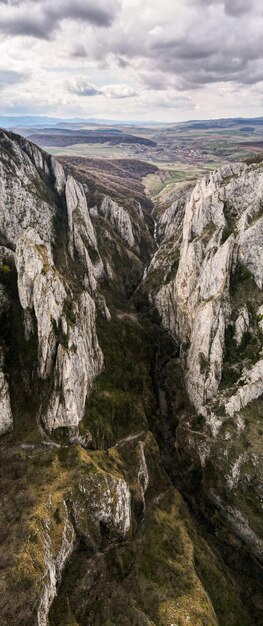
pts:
[231, 7]
[193, 71]
[42, 17]
[184, 48]
[99, 13]
[197, 62]
[25, 25]
[10, 77]
[225, 44]
[157, 81]
[122, 62]
[238, 7]
[205, 2]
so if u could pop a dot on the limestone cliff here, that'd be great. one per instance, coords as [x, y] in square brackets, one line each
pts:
[35, 193]
[211, 304]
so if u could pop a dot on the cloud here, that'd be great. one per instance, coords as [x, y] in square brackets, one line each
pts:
[82, 87]
[238, 7]
[231, 7]
[79, 51]
[12, 2]
[188, 48]
[118, 91]
[170, 100]
[42, 18]
[157, 81]
[121, 62]
[10, 77]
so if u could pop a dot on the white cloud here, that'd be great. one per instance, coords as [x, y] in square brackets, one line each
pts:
[82, 87]
[40, 18]
[11, 77]
[118, 91]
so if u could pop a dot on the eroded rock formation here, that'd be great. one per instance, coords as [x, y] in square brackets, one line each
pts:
[211, 305]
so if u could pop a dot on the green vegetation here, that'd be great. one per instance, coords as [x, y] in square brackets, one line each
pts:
[231, 218]
[208, 231]
[227, 231]
[183, 151]
[5, 269]
[68, 310]
[242, 289]
[123, 394]
[93, 254]
[172, 258]
[236, 356]
[153, 579]
[241, 273]
[204, 363]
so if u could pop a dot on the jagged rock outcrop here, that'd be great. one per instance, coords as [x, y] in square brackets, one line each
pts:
[6, 417]
[78, 361]
[24, 200]
[216, 236]
[82, 238]
[119, 218]
[34, 191]
[210, 305]
[67, 341]
[42, 292]
[109, 503]
[80, 503]
[45, 218]
[54, 561]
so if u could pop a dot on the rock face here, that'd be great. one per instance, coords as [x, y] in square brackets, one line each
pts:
[24, 199]
[119, 218]
[210, 305]
[82, 238]
[78, 361]
[93, 530]
[54, 564]
[34, 191]
[67, 342]
[6, 418]
[109, 504]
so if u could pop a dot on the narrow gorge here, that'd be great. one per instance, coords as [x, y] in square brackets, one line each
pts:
[131, 382]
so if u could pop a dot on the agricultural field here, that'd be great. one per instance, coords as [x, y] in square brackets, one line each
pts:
[182, 151]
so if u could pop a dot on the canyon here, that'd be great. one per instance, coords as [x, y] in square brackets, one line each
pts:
[131, 382]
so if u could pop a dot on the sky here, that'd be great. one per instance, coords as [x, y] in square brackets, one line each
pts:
[163, 60]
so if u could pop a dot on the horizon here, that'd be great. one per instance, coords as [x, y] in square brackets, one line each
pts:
[104, 120]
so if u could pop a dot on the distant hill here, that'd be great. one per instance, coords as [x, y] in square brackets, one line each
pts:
[7, 121]
[25, 121]
[69, 139]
